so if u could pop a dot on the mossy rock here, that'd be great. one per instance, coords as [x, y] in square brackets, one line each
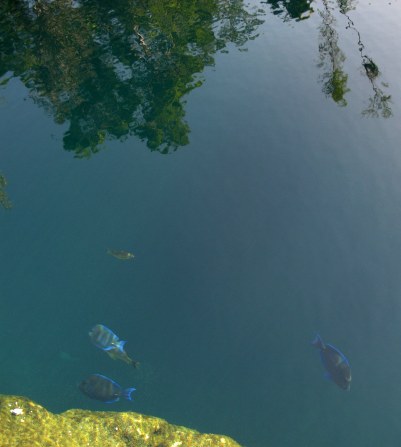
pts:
[24, 423]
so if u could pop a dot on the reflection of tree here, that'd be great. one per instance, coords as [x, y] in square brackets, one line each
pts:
[4, 200]
[113, 69]
[289, 10]
[379, 103]
[332, 58]
[346, 5]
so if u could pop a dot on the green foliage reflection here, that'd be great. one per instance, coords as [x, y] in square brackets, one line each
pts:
[114, 69]
[331, 58]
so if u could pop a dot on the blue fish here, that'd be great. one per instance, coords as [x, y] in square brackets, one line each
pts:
[336, 364]
[106, 340]
[104, 389]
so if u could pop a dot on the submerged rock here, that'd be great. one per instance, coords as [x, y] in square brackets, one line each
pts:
[24, 423]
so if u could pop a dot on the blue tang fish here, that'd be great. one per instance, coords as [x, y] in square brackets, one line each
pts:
[104, 389]
[105, 339]
[336, 364]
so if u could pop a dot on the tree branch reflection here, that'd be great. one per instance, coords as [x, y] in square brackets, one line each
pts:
[111, 70]
[332, 58]
[379, 103]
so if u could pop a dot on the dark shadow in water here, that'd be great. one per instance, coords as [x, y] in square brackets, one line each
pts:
[4, 200]
[117, 68]
[290, 10]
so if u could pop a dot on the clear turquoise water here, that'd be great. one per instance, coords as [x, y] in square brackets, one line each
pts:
[280, 217]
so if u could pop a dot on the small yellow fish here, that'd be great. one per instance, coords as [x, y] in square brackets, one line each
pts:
[121, 254]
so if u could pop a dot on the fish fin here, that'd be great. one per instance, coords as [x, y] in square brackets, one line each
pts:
[135, 364]
[318, 342]
[103, 348]
[120, 345]
[107, 348]
[127, 393]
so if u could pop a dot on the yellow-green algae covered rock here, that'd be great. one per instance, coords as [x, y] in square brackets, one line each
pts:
[24, 423]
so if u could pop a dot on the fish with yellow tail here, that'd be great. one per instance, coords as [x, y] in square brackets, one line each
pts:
[106, 340]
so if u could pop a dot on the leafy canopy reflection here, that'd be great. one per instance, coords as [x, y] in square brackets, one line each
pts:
[113, 69]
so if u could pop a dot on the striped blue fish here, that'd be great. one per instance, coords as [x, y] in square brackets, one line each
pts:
[106, 340]
[100, 387]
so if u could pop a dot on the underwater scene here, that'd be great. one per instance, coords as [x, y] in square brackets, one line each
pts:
[200, 213]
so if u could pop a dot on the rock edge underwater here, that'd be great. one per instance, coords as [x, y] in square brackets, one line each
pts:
[24, 423]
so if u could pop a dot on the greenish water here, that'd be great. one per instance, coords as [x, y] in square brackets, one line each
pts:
[249, 155]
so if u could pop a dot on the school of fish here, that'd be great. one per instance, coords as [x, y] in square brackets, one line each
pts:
[104, 389]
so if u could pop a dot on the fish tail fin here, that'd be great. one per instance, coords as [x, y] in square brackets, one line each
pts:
[127, 393]
[318, 342]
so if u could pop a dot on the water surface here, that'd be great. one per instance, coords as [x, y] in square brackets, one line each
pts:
[249, 155]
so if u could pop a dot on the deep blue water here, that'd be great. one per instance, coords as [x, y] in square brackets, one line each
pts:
[280, 217]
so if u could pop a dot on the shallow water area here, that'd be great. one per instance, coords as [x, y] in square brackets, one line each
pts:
[248, 155]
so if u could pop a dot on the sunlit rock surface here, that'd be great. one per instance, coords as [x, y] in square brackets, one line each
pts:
[24, 423]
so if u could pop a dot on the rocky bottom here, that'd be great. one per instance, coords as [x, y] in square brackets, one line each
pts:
[25, 423]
